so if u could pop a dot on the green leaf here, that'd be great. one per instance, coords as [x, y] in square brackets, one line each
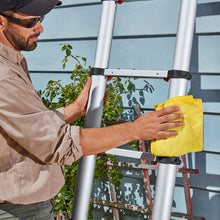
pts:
[129, 87]
[120, 110]
[68, 52]
[69, 46]
[63, 47]
[84, 59]
[109, 117]
[47, 93]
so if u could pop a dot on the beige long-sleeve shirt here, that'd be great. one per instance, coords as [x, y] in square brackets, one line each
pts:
[34, 141]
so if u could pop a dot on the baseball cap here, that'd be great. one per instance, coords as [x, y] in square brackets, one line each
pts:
[29, 7]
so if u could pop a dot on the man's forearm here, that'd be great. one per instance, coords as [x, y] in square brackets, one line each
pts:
[97, 140]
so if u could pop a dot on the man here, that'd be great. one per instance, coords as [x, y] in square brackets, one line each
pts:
[34, 141]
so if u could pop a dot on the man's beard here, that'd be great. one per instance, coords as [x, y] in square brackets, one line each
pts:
[18, 41]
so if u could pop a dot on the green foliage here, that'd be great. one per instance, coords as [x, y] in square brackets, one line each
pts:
[57, 95]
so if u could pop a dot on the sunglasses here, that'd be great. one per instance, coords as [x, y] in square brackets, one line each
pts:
[27, 23]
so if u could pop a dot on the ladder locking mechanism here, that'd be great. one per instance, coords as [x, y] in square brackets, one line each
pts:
[97, 71]
[179, 74]
[169, 160]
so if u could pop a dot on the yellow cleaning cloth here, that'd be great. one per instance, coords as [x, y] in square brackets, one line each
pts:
[190, 135]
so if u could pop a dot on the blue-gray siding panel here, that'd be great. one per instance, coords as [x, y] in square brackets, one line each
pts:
[48, 55]
[209, 53]
[72, 22]
[145, 18]
[142, 53]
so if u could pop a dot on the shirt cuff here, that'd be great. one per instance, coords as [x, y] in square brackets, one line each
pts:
[75, 152]
[60, 113]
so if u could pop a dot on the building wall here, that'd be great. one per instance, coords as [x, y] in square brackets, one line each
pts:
[144, 38]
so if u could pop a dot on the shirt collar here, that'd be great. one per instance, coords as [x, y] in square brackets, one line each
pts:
[10, 54]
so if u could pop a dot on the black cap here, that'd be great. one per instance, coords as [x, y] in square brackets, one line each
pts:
[29, 7]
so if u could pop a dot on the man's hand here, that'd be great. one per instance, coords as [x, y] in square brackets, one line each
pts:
[155, 124]
[82, 100]
[78, 108]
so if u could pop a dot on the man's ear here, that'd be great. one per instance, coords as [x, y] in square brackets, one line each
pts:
[3, 23]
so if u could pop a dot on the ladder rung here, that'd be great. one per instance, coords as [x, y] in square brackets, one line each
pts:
[132, 165]
[148, 166]
[132, 154]
[136, 73]
[186, 216]
[120, 205]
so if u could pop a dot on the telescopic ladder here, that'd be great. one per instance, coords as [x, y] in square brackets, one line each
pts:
[179, 77]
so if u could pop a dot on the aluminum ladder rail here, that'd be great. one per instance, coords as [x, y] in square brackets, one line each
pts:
[166, 177]
[94, 111]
